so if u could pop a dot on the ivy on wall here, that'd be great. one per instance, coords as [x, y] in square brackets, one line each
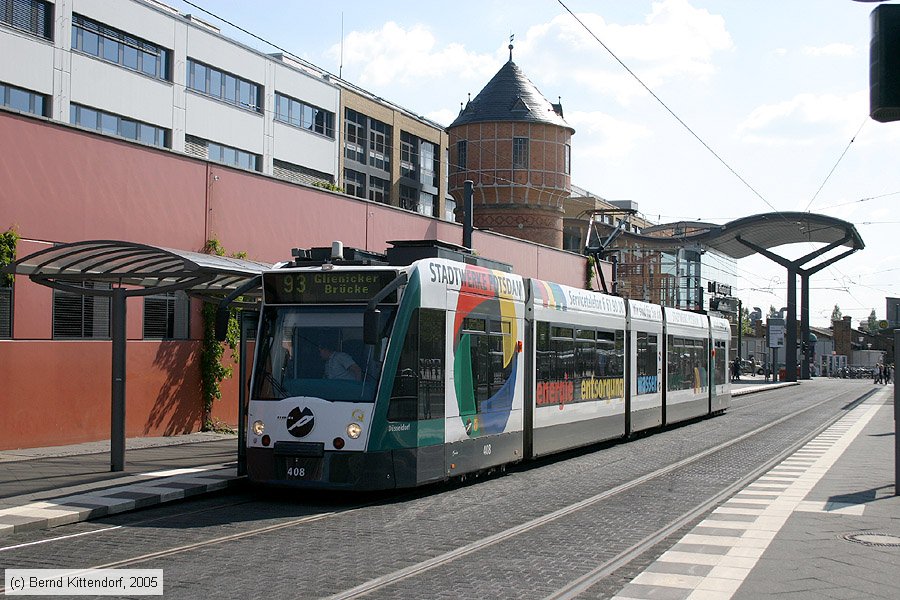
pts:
[329, 186]
[8, 241]
[212, 371]
[589, 273]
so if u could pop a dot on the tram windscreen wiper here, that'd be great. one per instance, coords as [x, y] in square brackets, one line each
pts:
[276, 386]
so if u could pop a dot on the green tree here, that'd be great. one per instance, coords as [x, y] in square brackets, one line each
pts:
[746, 327]
[836, 314]
[872, 322]
[8, 241]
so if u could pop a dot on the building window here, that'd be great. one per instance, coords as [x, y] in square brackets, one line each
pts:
[408, 197]
[379, 189]
[429, 164]
[299, 174]
[23, 100]
[220, 85]
[6, 305]
[354, 136]
[450, 210]
[462, 155]
[77, 316]
[33, 16]
[380, 145]
[426, 204]
[120, 48]
[166, 316]
[354, 183]
[520, 153]
[124, 127]
[304, 116]
[568, 160]
[228, 155]
[409, 155]
[572, 238]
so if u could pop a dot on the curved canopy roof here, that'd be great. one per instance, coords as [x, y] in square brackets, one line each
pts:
[155, 269]
[768, 230]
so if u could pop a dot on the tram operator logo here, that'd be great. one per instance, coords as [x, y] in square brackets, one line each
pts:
[300, 422]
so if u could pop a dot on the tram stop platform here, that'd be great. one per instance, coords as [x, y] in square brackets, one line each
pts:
[48, 487]
[823, 523]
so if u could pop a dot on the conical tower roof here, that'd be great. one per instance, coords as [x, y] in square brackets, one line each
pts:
[510, 96]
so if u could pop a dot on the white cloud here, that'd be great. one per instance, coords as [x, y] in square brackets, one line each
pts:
[675, 42]
[394, 54]
[611, 138]
[829, 50]
[805, 118]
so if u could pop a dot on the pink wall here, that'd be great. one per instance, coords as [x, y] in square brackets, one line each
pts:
[59, 392]
[63, 185]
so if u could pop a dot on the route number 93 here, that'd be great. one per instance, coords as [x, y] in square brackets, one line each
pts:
[295, 284]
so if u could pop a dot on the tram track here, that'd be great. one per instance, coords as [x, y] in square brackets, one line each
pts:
[577, 586]
[568, 591]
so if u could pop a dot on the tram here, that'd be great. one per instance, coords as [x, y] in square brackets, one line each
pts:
[369, 375]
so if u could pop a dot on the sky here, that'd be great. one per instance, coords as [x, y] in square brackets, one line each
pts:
[777, 90]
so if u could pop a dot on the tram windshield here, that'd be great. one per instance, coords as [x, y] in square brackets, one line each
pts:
[317, 352]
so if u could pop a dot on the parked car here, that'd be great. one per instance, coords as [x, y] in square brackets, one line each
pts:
[750, 367]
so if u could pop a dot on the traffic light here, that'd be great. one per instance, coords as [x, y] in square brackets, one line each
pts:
[884, 64]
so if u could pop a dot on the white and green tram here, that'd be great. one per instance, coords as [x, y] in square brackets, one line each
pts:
[377, 376]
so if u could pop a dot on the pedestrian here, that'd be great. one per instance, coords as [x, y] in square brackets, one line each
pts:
[766, 370]
[877, 374]
[736, 369]
[888, 371]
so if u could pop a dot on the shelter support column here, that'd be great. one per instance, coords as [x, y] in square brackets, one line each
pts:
[804, 325]
[790, 338]
[117, 429]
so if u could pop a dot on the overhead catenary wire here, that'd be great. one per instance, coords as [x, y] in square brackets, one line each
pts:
[666, 107]
[840, 158]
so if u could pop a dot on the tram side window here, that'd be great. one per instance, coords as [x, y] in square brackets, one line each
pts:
[544, 357]
[721, 370]
[647, 348]
[688, 363]
[610, 354]
[586, 355]
[418, 390]
[562, 348]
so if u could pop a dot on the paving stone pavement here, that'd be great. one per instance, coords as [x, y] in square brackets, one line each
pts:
[823, 523]
[48, 487]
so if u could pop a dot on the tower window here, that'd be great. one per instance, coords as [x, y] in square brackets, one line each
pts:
[520, 153]
[462, 152]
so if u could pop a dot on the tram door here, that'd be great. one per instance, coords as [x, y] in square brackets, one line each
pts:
[417, 407]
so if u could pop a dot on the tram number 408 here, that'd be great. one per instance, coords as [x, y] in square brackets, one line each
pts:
[302, 468]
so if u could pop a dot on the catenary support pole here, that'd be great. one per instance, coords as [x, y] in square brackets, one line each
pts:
[468, 207]
[117, 429]
[804, 327]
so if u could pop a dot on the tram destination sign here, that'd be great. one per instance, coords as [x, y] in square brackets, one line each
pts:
[326, 287]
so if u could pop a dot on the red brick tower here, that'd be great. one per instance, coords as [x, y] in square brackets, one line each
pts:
[515, 146]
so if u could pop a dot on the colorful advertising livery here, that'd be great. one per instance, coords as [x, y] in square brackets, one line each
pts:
[374, 377]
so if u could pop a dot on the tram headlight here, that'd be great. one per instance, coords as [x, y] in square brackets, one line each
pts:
[258, 427]
[353, 430]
